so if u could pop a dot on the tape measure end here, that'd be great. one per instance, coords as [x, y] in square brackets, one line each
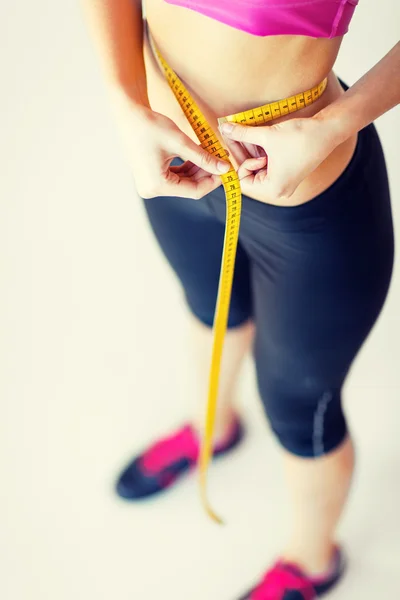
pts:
[214, 517]
[206, 505]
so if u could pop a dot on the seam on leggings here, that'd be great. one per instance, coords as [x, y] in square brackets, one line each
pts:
[319, 422]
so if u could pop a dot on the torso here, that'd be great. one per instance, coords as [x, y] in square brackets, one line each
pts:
[228, 71]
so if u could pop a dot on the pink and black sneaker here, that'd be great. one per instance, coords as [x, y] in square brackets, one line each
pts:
[286, 581]
[161, 465]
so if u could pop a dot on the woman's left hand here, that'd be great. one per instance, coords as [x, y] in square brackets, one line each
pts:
[274, 159]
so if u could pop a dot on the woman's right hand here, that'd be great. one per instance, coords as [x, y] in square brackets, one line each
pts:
[153, 140]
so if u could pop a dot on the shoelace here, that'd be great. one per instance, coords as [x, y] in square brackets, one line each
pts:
[283, 577]
[181, 444]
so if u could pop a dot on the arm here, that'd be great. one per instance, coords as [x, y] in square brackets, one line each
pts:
[116, 27]
[374, 94]
[152, 139]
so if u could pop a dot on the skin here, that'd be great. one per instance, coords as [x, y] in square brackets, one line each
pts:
[220, 89]
[224, 78]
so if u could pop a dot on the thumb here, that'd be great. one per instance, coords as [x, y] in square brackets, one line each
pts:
[206, 160]
[244, 133]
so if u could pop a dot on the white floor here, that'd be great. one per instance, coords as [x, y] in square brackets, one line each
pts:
[93, 357]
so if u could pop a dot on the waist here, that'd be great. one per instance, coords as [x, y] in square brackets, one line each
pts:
[214, 102]
[243, 89]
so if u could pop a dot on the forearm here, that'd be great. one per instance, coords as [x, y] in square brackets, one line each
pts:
[116, 27]
[370, 97]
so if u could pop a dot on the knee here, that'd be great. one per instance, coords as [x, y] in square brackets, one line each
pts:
[307, 419]
[203, 308]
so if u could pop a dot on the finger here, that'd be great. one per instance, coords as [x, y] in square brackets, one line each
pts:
[252, 166]
[203, 159]
[191, 187]
[192, 171]
[238, 152]
[252, 149]
[196, 174]
[186, 169]
[229, 143]
[245, 133]
[181, 168]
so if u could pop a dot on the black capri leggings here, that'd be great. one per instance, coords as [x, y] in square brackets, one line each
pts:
[313, 277]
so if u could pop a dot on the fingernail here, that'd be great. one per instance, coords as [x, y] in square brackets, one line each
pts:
[226, 127]
[222, 166]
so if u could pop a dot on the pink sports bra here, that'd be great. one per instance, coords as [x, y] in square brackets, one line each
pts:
[314, 18]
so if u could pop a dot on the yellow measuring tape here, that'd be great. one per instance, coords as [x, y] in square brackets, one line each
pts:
[230, 181]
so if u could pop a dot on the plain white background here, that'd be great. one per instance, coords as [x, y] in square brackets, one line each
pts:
[93, 356]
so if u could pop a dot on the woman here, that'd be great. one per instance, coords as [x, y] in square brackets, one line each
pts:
[315, 252]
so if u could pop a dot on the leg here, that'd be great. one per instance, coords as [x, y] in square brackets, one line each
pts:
[192, 240]
[321, 273]
[236, 345]
[318, 488]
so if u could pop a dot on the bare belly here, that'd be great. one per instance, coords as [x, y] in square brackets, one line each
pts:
[228, 71]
